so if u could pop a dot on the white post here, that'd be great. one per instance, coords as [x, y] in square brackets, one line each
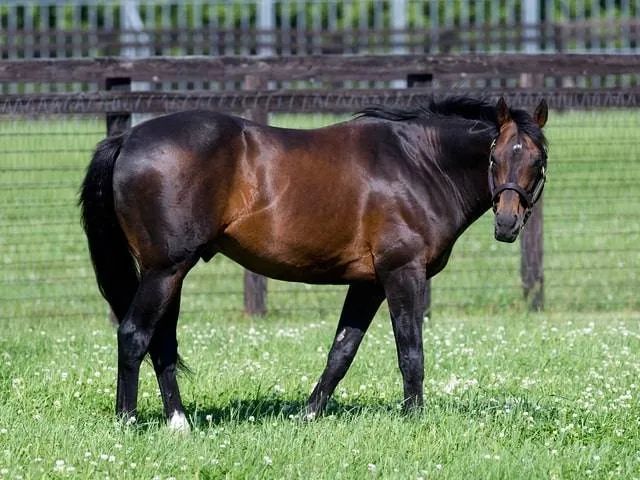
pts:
[399, 25]
[531, 23]
[133, 27]
[266, 23]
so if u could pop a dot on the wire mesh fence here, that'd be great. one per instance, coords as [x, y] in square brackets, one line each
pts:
[591, 229]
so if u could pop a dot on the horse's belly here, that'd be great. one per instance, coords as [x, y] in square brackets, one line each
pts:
[289, 259]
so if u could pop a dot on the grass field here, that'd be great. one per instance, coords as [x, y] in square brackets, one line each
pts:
[507, 397]
[510, 395]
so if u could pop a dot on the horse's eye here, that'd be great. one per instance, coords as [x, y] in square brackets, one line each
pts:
[538, 162]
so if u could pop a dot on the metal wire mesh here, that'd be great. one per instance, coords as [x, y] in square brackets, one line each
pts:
[591, 228]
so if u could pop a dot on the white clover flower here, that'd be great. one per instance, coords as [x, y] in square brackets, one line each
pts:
[267, 460]
[371, 467]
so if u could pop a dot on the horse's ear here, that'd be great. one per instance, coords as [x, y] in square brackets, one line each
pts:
[541, 113]
[502, 111]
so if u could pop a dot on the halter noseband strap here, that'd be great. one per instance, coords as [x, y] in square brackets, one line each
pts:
[528, 199]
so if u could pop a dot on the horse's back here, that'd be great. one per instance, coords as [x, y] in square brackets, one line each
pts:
[198, 131]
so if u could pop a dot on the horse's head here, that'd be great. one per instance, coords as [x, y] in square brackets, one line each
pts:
[517, 167]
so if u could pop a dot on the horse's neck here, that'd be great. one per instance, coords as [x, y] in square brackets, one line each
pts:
[466, 164]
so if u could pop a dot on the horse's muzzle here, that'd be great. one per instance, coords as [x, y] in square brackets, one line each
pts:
[508, 226]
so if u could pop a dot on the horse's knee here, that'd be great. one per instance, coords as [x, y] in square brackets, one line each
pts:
[133, 343]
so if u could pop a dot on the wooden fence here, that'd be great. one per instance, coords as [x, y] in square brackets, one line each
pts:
[59, 28]
[548, 37]
[520, 81]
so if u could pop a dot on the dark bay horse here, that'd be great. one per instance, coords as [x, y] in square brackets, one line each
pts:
[376, 202]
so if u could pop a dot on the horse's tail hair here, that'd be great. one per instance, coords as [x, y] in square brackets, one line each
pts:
[115, 268]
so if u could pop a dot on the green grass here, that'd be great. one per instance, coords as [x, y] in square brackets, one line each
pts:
[573, 370]
[542, 396]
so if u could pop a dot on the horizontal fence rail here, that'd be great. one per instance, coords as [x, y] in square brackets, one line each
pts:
[334, 67]
[345, 101]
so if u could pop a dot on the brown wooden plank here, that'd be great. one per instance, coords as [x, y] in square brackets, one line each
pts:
[531, 238]
[333, 67]
[118, 122]
[309, 101]
[532, 259]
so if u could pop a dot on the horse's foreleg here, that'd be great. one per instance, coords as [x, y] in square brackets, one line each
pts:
[405, 288]
[157, 291]
[360, 306]
[164, 355]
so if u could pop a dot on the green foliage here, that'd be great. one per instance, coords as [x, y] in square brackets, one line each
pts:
[348, 13]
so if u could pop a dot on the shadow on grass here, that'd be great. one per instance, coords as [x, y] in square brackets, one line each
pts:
[260, 409]
[497, 405]
[272, 407]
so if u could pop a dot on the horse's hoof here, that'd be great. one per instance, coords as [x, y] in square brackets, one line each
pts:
[124, 420]
[178, 423]
[308, 416]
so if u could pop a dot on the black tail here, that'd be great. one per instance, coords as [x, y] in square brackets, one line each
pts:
[115, 268]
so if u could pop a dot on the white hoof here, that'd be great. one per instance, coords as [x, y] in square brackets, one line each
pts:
[178, 423]
[309, 416]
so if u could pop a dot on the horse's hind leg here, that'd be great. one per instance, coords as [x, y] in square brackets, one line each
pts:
[164, 355]
[158, 291]
[360, 306]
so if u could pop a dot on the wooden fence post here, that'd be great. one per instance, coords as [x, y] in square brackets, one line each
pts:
[531, 239]
[531, 260]
[255, 286]
[118, 122]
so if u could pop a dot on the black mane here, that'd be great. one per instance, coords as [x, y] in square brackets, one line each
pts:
[463, 107]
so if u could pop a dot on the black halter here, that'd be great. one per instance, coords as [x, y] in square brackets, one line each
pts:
[528, 199]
